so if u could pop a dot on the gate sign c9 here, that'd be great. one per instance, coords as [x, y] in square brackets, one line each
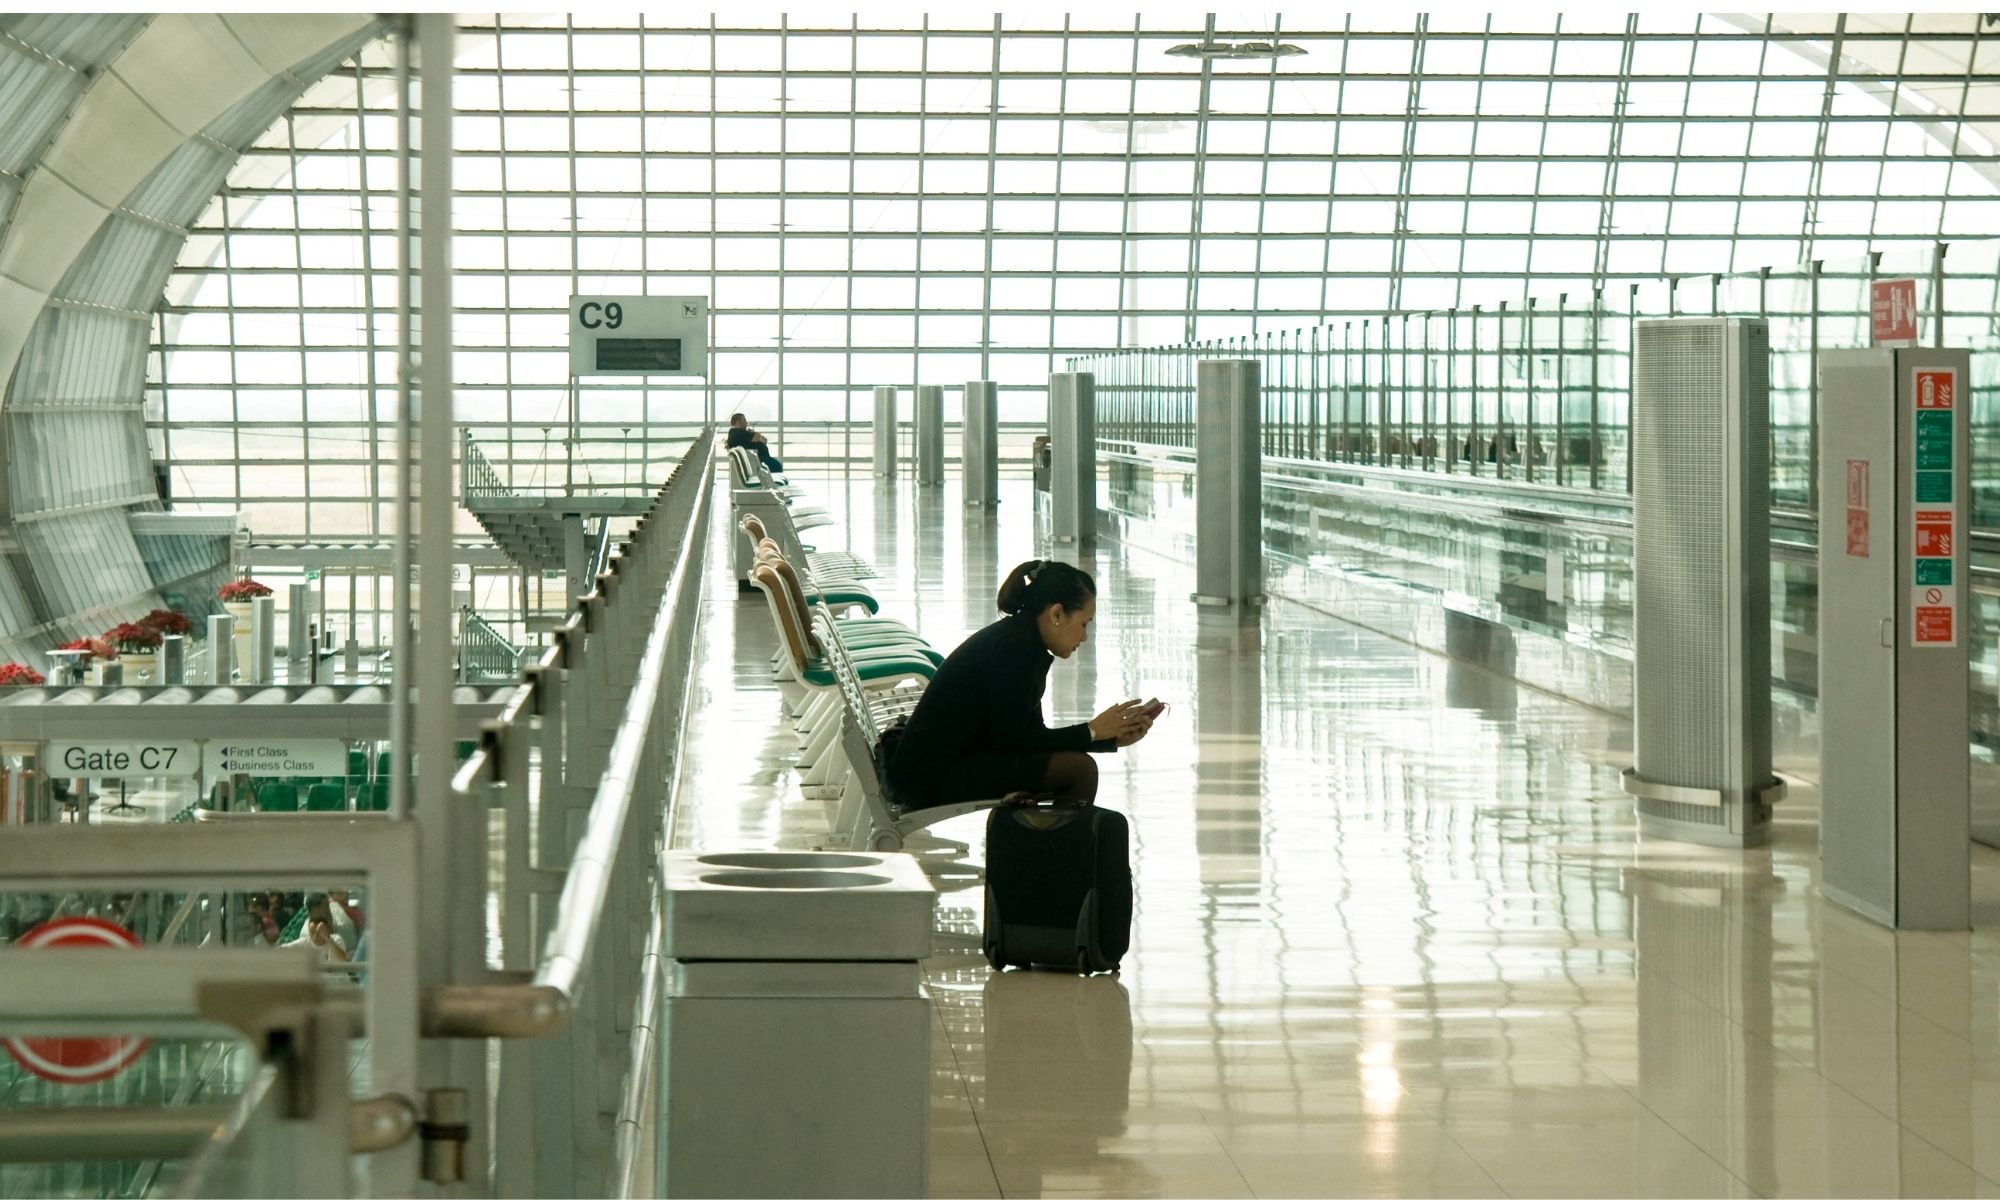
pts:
[638, 335]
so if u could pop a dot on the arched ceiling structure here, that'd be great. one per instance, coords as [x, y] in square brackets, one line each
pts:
[114, 132]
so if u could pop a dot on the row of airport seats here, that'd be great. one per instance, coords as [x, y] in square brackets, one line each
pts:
[283, 796]
[749, 477]
[845, 673]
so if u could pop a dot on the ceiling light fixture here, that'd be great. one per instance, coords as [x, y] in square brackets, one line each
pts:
[1212, 50]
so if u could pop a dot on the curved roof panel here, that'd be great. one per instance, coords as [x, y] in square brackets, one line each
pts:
[181, 72]
[72, 404]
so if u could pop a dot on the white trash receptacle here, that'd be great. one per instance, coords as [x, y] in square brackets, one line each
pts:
[795, 1035]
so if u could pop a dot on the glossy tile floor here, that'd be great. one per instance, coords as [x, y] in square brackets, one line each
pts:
[1396, 932]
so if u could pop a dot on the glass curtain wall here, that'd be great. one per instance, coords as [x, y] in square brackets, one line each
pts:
[1539, 391]
[973, 197]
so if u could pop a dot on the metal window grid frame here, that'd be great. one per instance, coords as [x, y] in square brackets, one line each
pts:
[965, 229]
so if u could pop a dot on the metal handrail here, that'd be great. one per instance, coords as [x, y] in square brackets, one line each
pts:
[85, 1133]
[633, 630]
[600, 558]
[628, 1130]
[542, 1006]
[1445, 497]
[480, 479]
[485, 654]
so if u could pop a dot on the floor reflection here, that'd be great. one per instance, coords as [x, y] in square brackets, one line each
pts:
[1396, 931]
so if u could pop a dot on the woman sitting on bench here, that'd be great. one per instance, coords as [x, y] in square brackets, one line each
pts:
[978, 731]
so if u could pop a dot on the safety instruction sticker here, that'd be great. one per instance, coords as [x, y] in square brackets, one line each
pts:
[1857, 507]
[1936, 523]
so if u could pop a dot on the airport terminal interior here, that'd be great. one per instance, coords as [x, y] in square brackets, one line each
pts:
[486, 500]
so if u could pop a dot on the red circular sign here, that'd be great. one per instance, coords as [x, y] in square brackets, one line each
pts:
[75, 1060]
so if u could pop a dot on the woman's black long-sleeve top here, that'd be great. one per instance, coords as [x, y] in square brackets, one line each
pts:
[986, 696]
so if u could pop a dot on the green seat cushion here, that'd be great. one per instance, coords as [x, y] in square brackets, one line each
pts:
[864, 646]
[869, 654]
[838, 597]
[326, 797]
[819, 674]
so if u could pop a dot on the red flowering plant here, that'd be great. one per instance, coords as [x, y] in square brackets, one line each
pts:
[133, 638]
[239, 591]
[98, 647]
[16, 675]
[166, 620]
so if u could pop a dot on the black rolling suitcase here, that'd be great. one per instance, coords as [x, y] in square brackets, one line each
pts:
[1058, 887]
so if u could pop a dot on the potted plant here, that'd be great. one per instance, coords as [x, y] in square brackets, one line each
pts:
[236, 596]
[138, 648]
[241, 591]
[19, 675]
[166, 621]
[97, 647]
[97, 652]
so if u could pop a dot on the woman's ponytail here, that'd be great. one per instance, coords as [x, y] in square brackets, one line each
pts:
[1014, 588]
[1038, 583]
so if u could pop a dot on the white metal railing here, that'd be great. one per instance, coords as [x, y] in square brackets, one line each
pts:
[580, 768]
[280, 1002]
[484, 653]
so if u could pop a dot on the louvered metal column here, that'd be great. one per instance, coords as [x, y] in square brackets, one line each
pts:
[885, 433]
[1073, 456]
[1229, 485]
[1701, 564]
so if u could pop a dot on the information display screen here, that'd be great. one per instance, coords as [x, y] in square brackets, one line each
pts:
[638, 355]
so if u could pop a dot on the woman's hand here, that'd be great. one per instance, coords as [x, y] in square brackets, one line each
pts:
[1123, 723]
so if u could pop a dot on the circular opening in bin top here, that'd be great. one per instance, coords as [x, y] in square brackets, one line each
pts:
[792, 880]
[778, 860]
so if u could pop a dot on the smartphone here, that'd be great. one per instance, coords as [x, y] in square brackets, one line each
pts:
[1154, 708]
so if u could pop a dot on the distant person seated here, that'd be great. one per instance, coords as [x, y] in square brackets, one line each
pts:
[741, 435]
[261, 907]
